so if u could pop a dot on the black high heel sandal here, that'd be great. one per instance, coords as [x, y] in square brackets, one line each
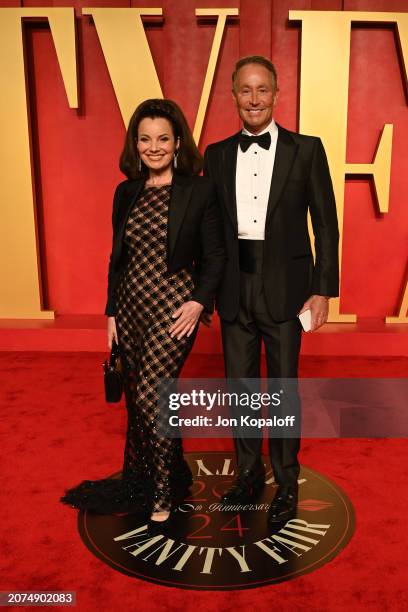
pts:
[156, 527]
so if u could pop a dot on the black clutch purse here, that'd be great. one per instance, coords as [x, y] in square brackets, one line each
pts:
[112, 376]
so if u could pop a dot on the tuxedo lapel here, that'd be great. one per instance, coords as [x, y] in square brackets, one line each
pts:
[229, 165]
[286, 150]
[180, 196]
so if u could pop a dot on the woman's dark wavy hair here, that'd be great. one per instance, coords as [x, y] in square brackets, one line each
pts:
[189, 159]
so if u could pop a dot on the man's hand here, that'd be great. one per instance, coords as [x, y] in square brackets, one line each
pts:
[319, 307]
[112, 333]
[187, 317]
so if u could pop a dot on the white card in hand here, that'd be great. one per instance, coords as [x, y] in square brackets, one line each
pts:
[306, 319]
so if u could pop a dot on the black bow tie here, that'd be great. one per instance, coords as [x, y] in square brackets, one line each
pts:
[245, 141]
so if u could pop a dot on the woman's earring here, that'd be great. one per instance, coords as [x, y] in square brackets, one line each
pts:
[140, 164]
[175, 159]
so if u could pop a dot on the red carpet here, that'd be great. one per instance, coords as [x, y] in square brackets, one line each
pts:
[57, 430]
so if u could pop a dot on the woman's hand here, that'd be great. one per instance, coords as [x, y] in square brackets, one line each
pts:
[187, 317]
[112, 333]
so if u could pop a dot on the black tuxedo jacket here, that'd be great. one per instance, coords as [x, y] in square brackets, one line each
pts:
[300, 182]
[195, 238]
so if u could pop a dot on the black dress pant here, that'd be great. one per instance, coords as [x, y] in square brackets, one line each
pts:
[242, 340]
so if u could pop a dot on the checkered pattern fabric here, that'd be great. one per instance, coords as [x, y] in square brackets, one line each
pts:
[146, 298]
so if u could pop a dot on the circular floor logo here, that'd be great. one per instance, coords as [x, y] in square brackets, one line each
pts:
[210, 548]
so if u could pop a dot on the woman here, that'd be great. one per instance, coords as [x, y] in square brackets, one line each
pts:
[166, 263]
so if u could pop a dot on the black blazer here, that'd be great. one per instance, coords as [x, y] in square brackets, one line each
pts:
[300, 182]
[194, 235]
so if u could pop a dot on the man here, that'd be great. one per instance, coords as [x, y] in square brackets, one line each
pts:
[267, 179]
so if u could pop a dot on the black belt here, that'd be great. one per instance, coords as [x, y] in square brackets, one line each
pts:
[251, 256]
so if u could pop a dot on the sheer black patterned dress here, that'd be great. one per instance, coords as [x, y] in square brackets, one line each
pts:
[155, 477]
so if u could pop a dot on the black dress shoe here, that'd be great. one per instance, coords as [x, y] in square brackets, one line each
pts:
[245, 488]
[283, 506]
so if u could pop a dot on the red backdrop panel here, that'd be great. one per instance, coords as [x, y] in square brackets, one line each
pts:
[76, 152]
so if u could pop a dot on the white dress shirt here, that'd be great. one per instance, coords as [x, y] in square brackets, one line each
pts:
[253, 183]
